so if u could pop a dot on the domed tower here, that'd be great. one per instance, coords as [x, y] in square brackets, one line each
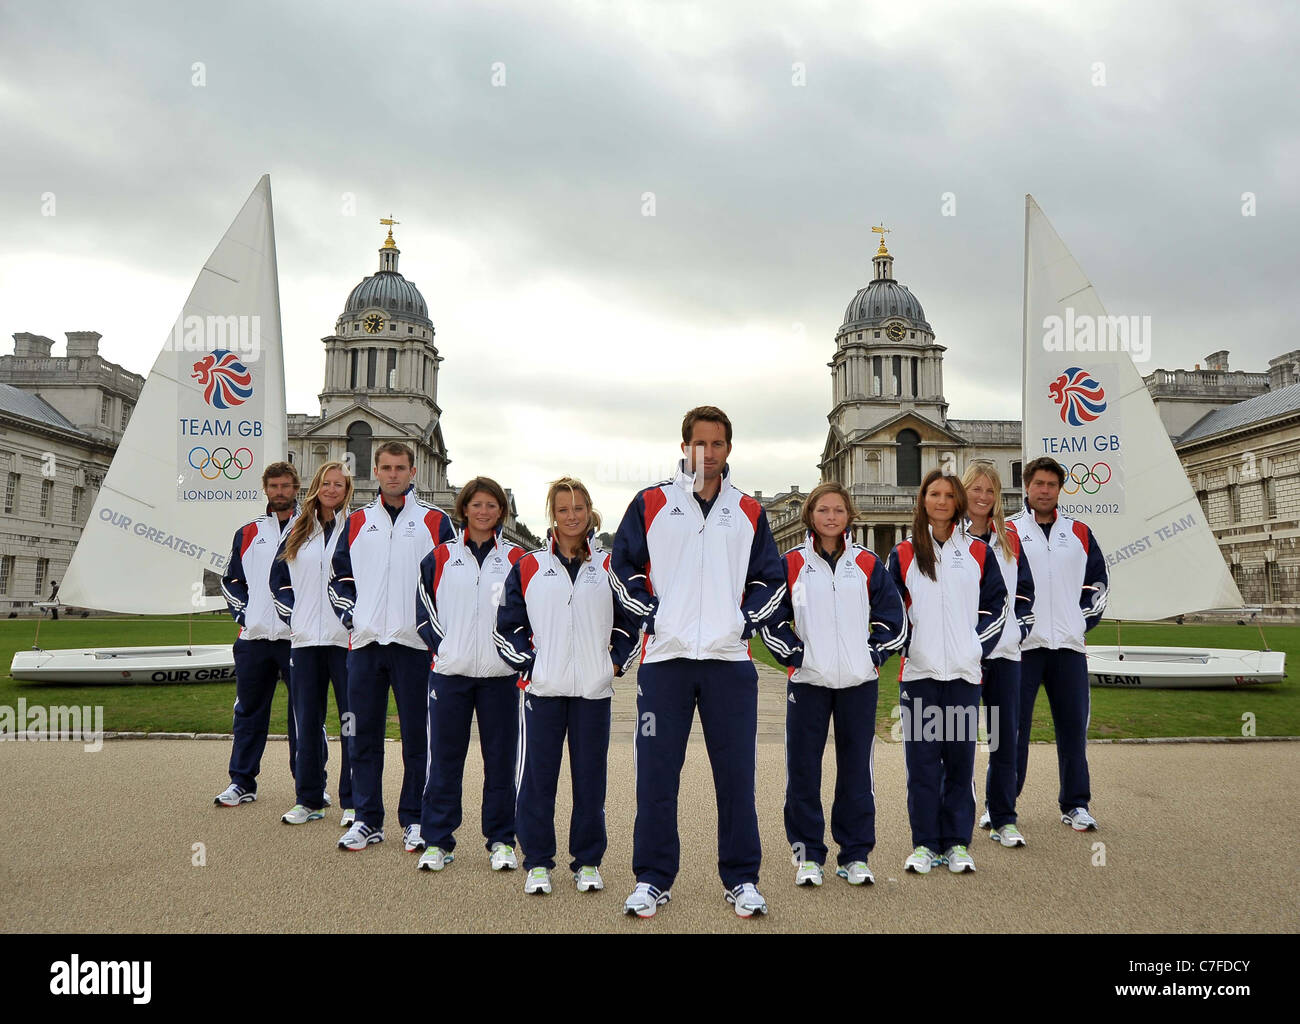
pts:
[886, 360]
[381, 371]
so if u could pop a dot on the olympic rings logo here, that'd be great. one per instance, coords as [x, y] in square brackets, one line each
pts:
[221, 461]
[1080, 477]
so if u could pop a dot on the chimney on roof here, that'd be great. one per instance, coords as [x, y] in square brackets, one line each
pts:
[794, 488]
[32, 344]
[83, 343]
[758, 497]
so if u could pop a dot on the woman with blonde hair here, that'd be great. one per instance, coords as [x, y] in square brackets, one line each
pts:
[847, 620]
[956, 606]
[562, 629]
[1000, 690]
[300, 577]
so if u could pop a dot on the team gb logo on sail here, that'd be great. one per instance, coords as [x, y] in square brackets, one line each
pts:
[226, 381]
[220, 414]
[1081, 398]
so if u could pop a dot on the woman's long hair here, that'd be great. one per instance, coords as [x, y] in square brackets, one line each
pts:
[987, 470]
[302, 528]
[575, 487]
[922, 544]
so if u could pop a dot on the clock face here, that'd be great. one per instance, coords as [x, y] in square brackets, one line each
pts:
[373, 324]
[896, 331]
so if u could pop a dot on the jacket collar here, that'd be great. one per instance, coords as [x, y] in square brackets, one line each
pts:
[552, 544]
[1029, 511]
[810, 541]
[462, 536]
[685, 479]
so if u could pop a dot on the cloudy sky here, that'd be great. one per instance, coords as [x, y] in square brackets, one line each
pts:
[575, 329]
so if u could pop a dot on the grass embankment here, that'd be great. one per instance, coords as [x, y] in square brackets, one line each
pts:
[206, 707]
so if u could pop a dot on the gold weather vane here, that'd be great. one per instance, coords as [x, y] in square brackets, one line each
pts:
[882, 231]
[388, 242]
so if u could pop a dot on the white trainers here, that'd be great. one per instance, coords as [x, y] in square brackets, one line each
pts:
[328, 801]
[1080, 820]
[434, 858]
[588, 879]
[411, 841]
[959, 860]
[537, 880]
[503, 857]
[645, 900]
[809, 873]
[856, 873]
[233, 796]
[1007, 835]
[349, 817]
[986, 819]
[300, 815]
[747, 900]
[359, 836]
[921, 860]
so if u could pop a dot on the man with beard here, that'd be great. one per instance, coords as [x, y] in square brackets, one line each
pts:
[262, 649]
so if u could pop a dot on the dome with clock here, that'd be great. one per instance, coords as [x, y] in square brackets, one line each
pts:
[387, 291]
[884, 299]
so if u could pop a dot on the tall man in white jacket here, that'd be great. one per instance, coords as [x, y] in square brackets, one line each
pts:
[262, 649]
[1070, 589]
[373, 590]
[694, 561]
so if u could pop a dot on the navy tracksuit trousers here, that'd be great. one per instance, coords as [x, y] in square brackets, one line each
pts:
[1064, 675]
[259, 665]
[543, 723]
[808, 713]
[1001, 694]
[372, 669]
[667, 694]
[940, 728]
[451, 703]
[312, 670]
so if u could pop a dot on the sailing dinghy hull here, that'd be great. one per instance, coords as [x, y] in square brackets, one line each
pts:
[1182, 668]
[205, 663]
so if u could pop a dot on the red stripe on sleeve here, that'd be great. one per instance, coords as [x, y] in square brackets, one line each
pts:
[978, 549]
[440, 556]
[905, 555]
[527, 570]
[793, 566]
[1081, 532]
[246, 537]
[1013, 540]
[751, 508]
[355, 522]
[866, 562]
[514, 554]
[433, 522]
[655, 500]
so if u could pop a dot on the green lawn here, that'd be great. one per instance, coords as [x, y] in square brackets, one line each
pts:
[206, 707]
[1127, 713]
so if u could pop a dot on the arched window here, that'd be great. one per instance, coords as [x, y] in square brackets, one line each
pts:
[359, 441]
[873, 467]
[909, 458]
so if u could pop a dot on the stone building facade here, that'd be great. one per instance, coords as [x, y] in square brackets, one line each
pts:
[61, 418]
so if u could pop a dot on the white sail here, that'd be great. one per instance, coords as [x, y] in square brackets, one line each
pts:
[211, 416]
[1087, 407]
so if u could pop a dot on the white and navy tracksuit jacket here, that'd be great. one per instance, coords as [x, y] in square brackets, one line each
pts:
[847, 622]
[247, 581]
[1070, 578]
[1018, 577]
[377, 566]
[320, 646]
[301, 588]
[564, 636]
[262, 649]
[1071, 590]
[456, 606]
[701, 588]
[957, 618]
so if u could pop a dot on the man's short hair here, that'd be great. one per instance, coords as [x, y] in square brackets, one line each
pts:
[460, 510]
[278, 469]
[708, 413]
[1045, 464]
[395, 448]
